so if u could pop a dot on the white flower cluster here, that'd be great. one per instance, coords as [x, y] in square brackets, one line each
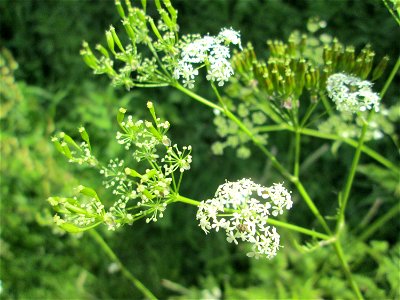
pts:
[351, 94]
[213, 51]
[243, 216]
[116, 179]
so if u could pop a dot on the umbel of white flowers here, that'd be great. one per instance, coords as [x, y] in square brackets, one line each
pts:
[351, 94]
[242, 209]
[210, 51]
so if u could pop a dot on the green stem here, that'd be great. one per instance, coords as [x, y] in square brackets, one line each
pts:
[308, 113]
[391, 12]
[269, 128]
[150, 85]
[186, 200]
[346, 268]
[267, 153]
[110, 253]
[311, 205]
[370, 152]
[326, 104]
[299, 229]
[154, 52]
[297, 146]
[350, 178]
[216, 92]
[231, 116]
[328, 136]
[380, 222]
[197, 97]
[390, 78]
[277, 223]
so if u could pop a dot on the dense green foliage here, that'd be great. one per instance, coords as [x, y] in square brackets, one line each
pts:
[53, 89]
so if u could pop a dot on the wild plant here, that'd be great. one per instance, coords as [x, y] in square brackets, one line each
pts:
[323, 90]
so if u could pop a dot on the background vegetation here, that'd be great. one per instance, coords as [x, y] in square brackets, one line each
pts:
[53, 89]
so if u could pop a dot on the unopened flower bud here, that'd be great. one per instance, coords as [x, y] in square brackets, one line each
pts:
[110, 41]
[380, 68]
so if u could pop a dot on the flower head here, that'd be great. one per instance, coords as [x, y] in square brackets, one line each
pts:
[250, 205]
[213, 51]
[351, 94]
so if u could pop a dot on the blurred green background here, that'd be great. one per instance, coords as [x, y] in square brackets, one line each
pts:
[54, 90]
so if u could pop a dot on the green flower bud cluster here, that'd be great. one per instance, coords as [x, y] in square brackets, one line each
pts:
[9, 91]
[140, 192]
[288, 72]
[125, 63]
[79, 213]
[80, 154]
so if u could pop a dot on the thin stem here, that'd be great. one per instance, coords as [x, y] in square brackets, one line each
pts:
[391, 12]
[150, 85]
[296, 168]
[329, 136]
[350, 178]
[298, 229]
[370, 152]
[292, 227]
[110, 253]
[308, 113]
[380, 222]
[390, 78]
[269, 128]
[197, 97]
[180, 181]
[216, 92]
[267, 153]
[326, 104]
[346, 268]
[154, 52]
[186, 200]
